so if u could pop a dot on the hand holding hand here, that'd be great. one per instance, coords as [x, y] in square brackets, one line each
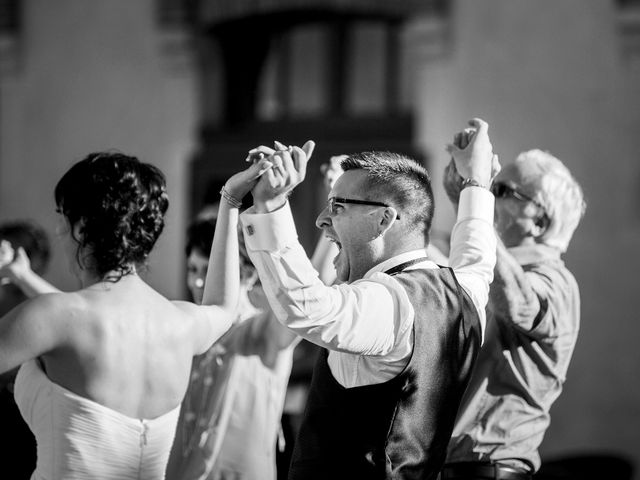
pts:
[289, 170]
[472, 152]
[452, 180]
[242, 182]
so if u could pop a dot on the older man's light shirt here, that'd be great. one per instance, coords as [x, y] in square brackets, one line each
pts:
[367, 324]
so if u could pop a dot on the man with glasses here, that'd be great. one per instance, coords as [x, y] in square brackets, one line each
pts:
[400, 334]
[532, 322]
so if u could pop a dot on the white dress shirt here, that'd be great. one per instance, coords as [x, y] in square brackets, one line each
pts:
[366, 325]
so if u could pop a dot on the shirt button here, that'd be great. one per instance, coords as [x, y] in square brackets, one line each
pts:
[249, 229]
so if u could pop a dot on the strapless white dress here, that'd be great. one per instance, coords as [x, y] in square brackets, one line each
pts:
[81, 439]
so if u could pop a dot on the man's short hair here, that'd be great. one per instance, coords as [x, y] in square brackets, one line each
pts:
[400, 181]
[31, 237]
[560, 195]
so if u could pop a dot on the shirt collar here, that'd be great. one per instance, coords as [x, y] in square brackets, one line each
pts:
[528, 254]
[397, 260]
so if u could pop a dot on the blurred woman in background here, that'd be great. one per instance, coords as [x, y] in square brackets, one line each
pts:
[230, 417]
[17, 444]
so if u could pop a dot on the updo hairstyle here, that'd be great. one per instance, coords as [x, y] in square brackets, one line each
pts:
[119, 204]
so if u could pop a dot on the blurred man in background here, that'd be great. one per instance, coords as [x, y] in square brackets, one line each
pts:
[532, 322]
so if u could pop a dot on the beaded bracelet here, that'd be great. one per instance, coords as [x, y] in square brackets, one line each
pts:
[230, 199]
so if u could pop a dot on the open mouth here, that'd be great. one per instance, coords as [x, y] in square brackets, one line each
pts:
[333, 240]
[337, 244]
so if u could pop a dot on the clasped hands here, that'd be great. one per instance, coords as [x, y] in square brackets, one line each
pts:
[272, 175]
[275, 172]
[472, 157]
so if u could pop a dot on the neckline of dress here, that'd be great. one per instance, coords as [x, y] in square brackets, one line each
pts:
[65, 391]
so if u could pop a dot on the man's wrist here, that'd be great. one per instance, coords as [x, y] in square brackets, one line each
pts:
[270, 205]
[472, 182]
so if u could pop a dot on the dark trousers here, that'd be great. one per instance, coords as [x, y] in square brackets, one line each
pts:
[17, 444]
[483, 471]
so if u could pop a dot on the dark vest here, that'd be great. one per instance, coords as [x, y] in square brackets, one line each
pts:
[398, 429]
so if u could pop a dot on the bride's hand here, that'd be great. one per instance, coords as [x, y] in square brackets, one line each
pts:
[242, 182]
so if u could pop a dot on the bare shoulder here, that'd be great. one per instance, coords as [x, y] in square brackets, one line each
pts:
[188, 308]
[62, 314]
[36, 327]
[199, 315]
[205, 322]
[50, 306]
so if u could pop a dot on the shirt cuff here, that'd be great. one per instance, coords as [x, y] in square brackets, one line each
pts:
[268, 231]
[476, 202]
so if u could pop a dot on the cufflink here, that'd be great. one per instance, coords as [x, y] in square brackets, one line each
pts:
[249, 229]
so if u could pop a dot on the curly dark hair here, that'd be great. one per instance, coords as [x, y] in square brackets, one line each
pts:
[119, 204]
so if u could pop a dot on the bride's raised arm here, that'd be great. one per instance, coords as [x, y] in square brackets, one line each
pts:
[222, 284]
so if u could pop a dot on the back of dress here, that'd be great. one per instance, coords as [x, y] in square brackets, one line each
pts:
[80, 439]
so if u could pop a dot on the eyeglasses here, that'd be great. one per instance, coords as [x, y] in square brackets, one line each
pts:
[333, 200]
[502, 190]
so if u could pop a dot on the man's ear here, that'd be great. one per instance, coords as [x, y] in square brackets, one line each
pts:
[540, 226]
[388, 218]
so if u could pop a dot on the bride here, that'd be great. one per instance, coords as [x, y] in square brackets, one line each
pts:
[104, 369]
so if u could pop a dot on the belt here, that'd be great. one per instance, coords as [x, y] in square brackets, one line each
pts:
[482, 471]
